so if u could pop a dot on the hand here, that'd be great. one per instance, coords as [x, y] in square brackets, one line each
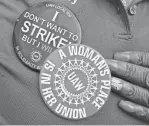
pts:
[133, 69]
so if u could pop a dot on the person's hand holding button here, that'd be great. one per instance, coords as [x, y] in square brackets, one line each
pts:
[133, 69]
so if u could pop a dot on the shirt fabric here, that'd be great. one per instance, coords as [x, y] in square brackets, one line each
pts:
[107, 26]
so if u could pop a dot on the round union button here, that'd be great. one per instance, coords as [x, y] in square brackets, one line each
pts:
[43, 28]
[75, 81]
[132, 10]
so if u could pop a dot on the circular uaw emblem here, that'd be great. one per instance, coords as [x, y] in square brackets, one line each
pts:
[36, 56]
[75, 81]
[43, 28]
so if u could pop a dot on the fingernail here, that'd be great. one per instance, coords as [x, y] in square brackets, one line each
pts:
[116, 84]
[123, 56]
[127, 106]
[112, 64]
[117, 67]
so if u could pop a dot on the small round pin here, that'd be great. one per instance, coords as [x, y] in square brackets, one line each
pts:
[132, 10]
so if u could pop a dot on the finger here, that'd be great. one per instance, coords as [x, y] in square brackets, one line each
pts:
[133, 73]
[132, 92]
[139, 58]
[135, 110]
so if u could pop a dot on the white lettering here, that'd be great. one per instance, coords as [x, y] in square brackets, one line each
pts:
[49, 66]
[55, 16]
[45, 78]
[75, 81]
[70, 112]
[62, 54]
[49, 96]
[25, 29]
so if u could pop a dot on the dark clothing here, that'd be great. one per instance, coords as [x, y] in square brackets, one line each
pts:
[107, 25]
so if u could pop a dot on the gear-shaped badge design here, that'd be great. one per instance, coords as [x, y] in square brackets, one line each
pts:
[36, 56]
[71, 67]
[75, 81]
